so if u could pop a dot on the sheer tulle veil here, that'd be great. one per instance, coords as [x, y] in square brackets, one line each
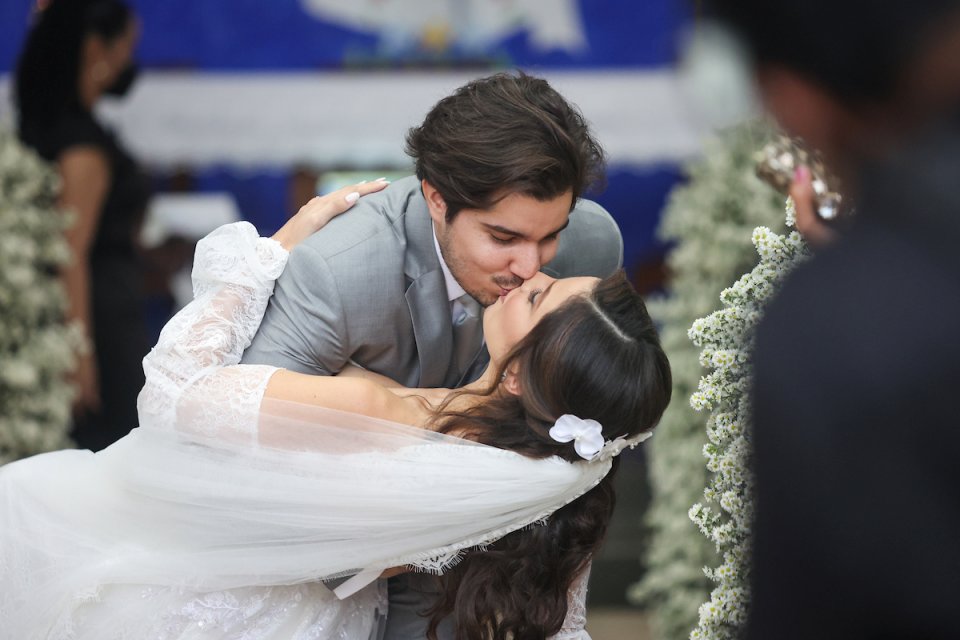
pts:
[219, 488]
[322, 494]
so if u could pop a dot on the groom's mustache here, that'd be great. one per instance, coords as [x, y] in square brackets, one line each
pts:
[508, 283]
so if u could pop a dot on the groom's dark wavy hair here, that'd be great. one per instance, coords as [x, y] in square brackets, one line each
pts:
[504, 134]
[599, 357]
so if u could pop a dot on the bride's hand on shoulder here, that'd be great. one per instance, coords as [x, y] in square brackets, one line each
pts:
[320, 210]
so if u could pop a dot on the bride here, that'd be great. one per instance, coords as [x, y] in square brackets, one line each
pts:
[245, 485]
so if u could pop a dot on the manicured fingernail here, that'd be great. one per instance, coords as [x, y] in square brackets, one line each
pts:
[382, 179]
[802, 174]
[352, 197]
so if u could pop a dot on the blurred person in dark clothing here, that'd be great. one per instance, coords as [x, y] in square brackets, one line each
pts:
[858, 358]
[76, 52]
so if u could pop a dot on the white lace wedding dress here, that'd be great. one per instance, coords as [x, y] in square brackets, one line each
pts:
[218, 517]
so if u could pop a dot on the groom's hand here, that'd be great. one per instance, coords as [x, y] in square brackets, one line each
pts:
[314, 215]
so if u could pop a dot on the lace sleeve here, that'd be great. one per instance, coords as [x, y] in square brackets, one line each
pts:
[574, 625]
[192, 375]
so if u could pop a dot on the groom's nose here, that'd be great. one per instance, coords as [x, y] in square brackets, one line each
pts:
[526, 261]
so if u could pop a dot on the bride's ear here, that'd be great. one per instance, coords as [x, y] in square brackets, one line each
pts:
[511, 381]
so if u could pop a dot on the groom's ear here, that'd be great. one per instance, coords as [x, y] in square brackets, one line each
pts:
[436, 205]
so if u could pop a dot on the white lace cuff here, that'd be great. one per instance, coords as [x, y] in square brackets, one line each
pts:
[190, 380]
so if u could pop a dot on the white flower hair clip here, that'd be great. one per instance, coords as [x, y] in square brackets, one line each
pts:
[587, 435]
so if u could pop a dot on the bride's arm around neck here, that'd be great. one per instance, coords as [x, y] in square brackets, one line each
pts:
[347, 393]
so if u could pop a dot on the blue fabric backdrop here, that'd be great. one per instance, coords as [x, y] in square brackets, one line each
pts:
[280, 34]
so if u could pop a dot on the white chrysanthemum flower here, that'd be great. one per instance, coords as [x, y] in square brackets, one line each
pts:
[37, 349]
[791, 213]
[708, 220]
[725, 338]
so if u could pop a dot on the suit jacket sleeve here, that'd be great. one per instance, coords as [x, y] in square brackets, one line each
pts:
[304, 328]
[590, 246]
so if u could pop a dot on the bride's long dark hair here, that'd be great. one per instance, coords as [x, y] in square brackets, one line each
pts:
[597, 357]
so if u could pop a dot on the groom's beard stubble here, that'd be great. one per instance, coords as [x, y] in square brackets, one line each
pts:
[485, 298]
[460, 269]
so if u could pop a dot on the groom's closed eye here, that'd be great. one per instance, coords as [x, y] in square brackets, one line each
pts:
[504, 235]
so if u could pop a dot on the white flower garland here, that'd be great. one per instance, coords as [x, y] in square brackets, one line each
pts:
[709, 218]
[726, 339]
[37, 349]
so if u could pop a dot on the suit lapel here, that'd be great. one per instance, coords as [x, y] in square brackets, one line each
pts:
[426, 295]
[475, 369]
[430, 314]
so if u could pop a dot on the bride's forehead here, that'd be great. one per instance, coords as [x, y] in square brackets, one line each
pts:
[576, 285]
[564, 289]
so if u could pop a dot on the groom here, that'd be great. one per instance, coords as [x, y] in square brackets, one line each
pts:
[397, 285]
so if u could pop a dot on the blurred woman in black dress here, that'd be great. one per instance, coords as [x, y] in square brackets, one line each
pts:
[76, 52]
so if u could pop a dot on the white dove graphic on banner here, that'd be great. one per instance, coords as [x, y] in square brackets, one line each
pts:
[472, 24]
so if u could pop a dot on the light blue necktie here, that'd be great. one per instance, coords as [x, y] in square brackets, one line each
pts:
[467, 332]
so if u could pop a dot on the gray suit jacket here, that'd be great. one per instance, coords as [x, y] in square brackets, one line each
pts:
[369, 288]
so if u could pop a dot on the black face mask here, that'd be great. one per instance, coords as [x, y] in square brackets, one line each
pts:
[121, 85]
